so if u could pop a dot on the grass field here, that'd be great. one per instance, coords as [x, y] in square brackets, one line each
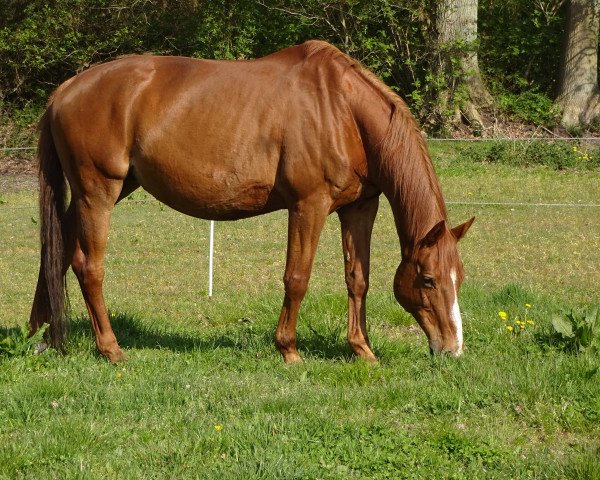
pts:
[204, 393]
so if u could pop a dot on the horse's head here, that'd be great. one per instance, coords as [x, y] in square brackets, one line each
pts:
[427, 284]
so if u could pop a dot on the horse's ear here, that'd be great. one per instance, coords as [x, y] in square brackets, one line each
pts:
[434, 235]
[461, 230]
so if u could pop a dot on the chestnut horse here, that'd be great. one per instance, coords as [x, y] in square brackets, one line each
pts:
[305, 129]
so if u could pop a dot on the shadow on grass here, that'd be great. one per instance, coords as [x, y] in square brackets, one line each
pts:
[132, 333]
[244, 336]
[325, 343]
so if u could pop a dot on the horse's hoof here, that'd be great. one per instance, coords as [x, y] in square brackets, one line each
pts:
[372, 359]
[114, 356]
[292, 358]
[365, 353]
[117, 357]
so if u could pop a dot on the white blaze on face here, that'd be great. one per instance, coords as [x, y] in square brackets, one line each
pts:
[455, 316]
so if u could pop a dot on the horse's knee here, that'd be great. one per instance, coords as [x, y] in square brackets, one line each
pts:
[78, 264]
[89, 274]
[357, 286]
[296, 286]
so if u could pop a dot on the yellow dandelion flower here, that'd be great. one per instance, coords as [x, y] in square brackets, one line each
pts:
[503, 315]
[218, 428]
[530, 322]
[528, 305]
[509, 328]
[574, 148]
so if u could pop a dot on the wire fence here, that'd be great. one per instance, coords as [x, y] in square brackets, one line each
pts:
[517, 139]
[14, 149]
[595, 140]
[7, 207]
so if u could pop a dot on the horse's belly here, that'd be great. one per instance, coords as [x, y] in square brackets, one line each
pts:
[208, 193]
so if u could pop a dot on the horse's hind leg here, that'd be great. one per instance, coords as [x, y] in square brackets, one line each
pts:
[92, 224]
[357, 224]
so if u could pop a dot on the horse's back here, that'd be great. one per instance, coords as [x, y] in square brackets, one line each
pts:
[215, 139]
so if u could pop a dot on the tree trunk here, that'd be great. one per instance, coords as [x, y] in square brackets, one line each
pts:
[579, 96]
[464, 93]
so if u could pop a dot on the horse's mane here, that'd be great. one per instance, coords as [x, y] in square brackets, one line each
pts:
[403, 153]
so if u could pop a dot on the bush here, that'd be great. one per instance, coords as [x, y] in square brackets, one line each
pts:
[557, 155]
[514, 35]
[18, 128]
[531, 107]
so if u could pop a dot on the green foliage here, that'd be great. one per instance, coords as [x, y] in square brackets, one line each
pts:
[557, 155]
[18, 343]
[17, 128]
[509, 56]
[42, 44]
[510, 49]
[531, 107]
[579, 331]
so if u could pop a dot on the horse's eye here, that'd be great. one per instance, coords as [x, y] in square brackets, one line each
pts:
[428, 282]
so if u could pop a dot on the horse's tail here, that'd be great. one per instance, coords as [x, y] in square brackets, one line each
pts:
[51, 292]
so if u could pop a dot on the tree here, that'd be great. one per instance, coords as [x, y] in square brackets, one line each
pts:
[579, 95]
[463, 93]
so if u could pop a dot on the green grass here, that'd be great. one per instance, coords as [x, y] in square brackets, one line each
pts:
[204, 394]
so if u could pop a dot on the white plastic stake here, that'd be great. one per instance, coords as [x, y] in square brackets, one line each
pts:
[211, 244]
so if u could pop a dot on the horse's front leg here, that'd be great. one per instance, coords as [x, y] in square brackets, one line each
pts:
[305, 224]
[357, 224]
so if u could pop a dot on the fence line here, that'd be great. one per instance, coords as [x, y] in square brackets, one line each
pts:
[473, 204]
[478, 139]
[516, 139]
[524, 204]
[11, 149]
[212, 223]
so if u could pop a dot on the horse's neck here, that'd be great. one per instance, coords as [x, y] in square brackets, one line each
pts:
[405, 173]
[416, 208]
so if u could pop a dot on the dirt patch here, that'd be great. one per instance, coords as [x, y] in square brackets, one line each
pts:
[17, 172]
[17, 166]
[500, 125]
[17, 182]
